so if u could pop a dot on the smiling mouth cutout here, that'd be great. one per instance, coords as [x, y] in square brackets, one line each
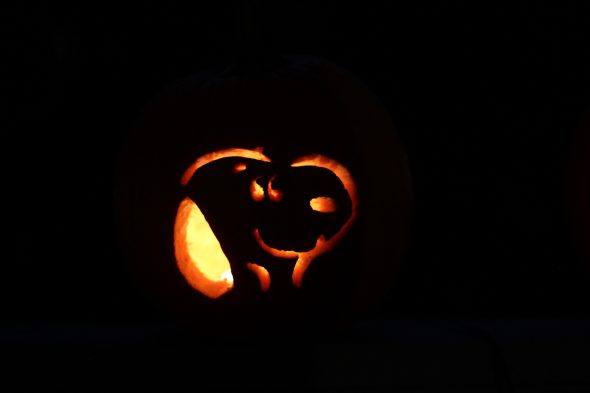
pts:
[199, 255]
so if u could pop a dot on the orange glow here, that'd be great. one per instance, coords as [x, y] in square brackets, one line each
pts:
[304, 258]
[323, 204]
[256, 191]
[263, 275]
[274, 195]
[239, 167]
[275, 252]
[255, 154]
[199, 256]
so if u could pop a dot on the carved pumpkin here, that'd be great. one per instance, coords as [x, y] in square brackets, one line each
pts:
[199, 254]
[279, 190]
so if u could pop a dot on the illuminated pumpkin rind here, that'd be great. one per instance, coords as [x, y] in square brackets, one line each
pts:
[302, 109]
[205, 268]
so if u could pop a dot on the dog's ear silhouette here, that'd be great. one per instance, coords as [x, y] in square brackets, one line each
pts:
[222, 194]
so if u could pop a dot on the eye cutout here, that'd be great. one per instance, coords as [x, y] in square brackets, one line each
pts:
[323, 204]
[239, 167]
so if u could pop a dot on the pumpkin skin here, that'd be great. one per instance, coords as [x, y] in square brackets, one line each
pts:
[292, 107]
[580, 187]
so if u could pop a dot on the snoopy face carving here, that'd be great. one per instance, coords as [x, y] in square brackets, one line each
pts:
[244, 215]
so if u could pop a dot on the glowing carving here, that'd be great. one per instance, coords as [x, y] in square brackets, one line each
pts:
[323, 204]
[194, 241]
[274, 195]
[255, 154]
[256, 190]
[263, 275]
[198, 252]
[323, 245]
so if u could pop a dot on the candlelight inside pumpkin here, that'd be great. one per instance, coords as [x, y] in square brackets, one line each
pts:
[199, 254]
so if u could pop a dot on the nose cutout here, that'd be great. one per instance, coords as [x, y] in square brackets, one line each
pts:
[256, 190]
[323, 204]
[274, 195]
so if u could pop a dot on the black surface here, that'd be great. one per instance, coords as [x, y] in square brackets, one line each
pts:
[484, 98]
[533, 355]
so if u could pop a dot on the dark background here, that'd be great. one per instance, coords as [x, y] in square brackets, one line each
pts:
[485, 99]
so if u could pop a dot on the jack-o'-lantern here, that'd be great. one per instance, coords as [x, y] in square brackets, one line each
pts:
[279, 191]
